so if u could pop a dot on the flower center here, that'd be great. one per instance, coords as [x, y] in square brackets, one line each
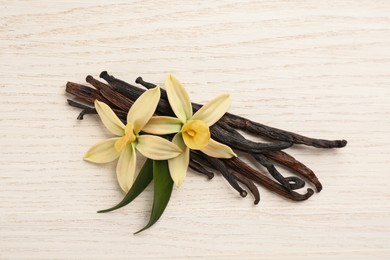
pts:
[191, 132]
[196, 134]
[127, 138]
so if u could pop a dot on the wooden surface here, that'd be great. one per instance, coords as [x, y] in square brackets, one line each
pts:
[320, 68]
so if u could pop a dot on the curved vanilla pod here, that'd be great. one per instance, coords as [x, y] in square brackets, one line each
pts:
[201, 159]
[249, 184]
[85, 109]
[295, 182]
[241, 167]
[294, 165]
[272, 170]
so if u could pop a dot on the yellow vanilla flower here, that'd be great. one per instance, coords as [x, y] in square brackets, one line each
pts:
[192, 129]
[128, 138]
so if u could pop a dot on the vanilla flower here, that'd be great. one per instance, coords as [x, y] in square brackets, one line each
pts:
[192, 129]
[128, 138]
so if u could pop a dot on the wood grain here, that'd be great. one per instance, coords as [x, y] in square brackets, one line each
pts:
[320, 68]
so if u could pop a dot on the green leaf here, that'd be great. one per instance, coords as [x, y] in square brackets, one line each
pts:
[143, 179]
[163, 186]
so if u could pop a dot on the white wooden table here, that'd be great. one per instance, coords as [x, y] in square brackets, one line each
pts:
[319, 68]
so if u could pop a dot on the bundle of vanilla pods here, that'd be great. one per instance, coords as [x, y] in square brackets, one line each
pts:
[120, 96]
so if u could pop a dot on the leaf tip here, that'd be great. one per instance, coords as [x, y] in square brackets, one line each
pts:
[139, 231]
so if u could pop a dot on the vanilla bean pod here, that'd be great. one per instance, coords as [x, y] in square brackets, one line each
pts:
[96, 83]
[219, 165]
[295, 182]
[249, 184]
[298, 167]
[113, 96]
[85, 109]
[201, 159]
[264, 130]
[237, 141]
[196, 166]
[89, 95]
[252, 146]
[238, 165]
[74, 103]
[84, 92]
[133, 92]
[231, 176]
[150, 85]
[91, 110]
[278, 134]
[103, 93]
[236, 175]
[271, 169]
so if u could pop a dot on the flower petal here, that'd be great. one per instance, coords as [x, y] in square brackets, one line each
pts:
[178, 98]
[162, 125]
[109, 119]
[143, 108]
[178, 166]
[157, 148]
[103, 152]
[125, 168]
[213, 110]
[218, 150]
